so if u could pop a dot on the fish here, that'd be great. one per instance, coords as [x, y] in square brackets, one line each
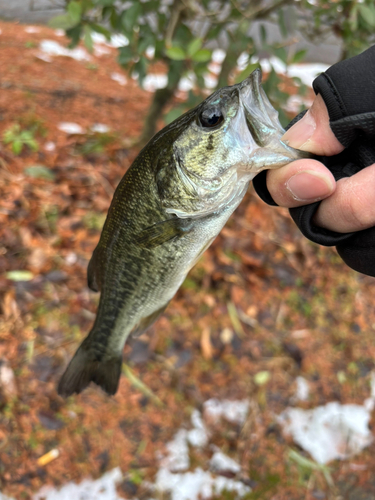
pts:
[168, 208]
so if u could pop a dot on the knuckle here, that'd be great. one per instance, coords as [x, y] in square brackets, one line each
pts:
[357, 212]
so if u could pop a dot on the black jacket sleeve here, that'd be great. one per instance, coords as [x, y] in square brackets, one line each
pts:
[348, 90]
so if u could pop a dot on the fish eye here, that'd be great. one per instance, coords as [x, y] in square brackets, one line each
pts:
[211, 117]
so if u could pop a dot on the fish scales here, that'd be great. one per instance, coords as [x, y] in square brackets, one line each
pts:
[167, 209]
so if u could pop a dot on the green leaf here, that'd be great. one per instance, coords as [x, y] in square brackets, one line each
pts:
[353, 18]
[33, 145]
[367, 13]
[19, 275]
[104, 3]
[281, 53]
[214, 31]
[263, 34]
[159, 49]
[125, 55]
[115, 19]
[151, 6]
[194, 46]
[74, 10]
[172, 115]
[146, 41]
[282, 24]
[75, 35]
[299, 55]
[176, 53]
[247, 71]
[40, 172]
[11, 133]
[101, 30]
[87, 38]
[203, 55]
[130, 16]
[141, 68]
[64, 22]
[17, 146]
[183, 35]
[175, 71]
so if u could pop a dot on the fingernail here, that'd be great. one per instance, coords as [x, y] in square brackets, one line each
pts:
[309, 186]
[301, 132]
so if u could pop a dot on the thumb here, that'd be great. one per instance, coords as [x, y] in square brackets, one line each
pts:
[312, 133]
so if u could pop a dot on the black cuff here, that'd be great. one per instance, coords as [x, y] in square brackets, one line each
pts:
[358, 252]
[348, 90]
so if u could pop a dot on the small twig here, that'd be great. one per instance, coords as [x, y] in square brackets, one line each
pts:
[176, 10]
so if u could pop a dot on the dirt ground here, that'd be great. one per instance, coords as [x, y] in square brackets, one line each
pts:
[294, 308]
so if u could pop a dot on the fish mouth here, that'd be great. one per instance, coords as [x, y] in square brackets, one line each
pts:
[261, 118]
[263, 121]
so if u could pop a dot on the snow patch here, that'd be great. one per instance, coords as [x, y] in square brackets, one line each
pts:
[187, 82]
[329, 432]
[210, 81]
[150, 52]
[70, 128]
[196, 485]
[49, 146]
[154, 81]
[174, 478]
[32, 29]
[100, 128]
[53, 48]
[214, 68]
[218, 56]
[115, 41]
[242, 61]
[233, 411]
[302, 389]
[118, 41]
[100, 50]
[198, 436]
[307, 72]
[177, 458]
[119, 78]
[222, 463]
[103, 488]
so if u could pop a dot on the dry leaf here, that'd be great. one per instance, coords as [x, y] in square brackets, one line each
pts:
[206, 345]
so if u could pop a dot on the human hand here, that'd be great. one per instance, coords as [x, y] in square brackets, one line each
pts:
[347, 205]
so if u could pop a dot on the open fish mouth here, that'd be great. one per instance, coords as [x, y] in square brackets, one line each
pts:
[262, 120]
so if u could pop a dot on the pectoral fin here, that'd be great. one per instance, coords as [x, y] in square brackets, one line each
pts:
[164, 231]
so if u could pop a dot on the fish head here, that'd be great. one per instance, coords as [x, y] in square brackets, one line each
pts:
[220, 145]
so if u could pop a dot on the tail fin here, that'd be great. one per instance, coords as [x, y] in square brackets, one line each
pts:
[83, 369]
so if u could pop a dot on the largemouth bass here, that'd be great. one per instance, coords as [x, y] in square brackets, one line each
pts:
[166, 211]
